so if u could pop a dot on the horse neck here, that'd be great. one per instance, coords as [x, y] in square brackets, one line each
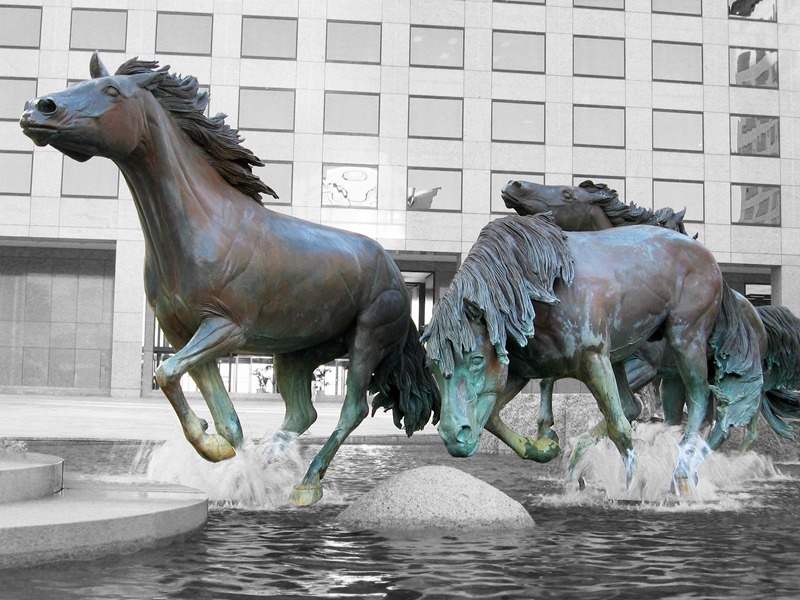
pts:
[177, 193]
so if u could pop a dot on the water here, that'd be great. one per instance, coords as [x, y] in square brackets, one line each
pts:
[735, 538]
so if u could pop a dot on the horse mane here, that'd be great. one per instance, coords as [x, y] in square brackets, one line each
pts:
[185, 102]
[620, 214]
[514, 263]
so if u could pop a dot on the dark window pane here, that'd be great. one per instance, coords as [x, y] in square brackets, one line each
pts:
[755, 136]
[354, 42]
[753, 67]
[437, 47]
[433, 189]
[353, 186]
[269, 38]
[755, 204]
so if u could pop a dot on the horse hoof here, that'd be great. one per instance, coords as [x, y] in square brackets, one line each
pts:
[204, 424]
[305, 496]
[215, 448]
[550, 434]
[542, 450]
[682, 486]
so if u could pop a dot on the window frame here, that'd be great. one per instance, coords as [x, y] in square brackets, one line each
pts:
[681, 14]
[778, 123]
[267, 199]
[185, 14]
[41, 16]
[528, 102]
[780, 206]
[30, 182]
[355, 62]
[269, 18]
[600, 7]
[531, 33]
[529, 3]
[665, 42]
[492, 173]
[99, 10]
[424, 66]
[355, 165]
[64, 160]
[730, 16]
[602, 37]
[754, 87]
[269, 89]
[326, 131]
[675, 208]
[624, 126]
[429, 137]
[35, 81]
[666, 110]
[460, 171]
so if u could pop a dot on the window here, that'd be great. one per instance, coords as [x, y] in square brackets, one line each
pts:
[183, 33]
[269, 37]
[350, 186]
[13, 95]
[678, 195]
[755, 204]
[97, 177]
[598, 126]
[98, 29]
[278, 176]
[755, 136]
[267, 110]
[679, 7]
[608, 4]
[677, 62]
[434, 189]
[598, 57]
[500, 179]
[20, 26]
[435, 117]
[353, 42]
[16, 168]
[615, 183]
[351, 113]
[677, 130]
[753, 67]
[515, 51]
[521, 1]
[758, 10]
[437, 47]
[517, 122]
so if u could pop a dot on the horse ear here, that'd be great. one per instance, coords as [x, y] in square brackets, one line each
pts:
[473, 311]
[96, 66]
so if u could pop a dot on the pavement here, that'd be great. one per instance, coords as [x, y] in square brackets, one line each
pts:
[152, 418]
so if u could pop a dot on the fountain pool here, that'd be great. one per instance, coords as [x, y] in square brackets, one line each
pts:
[740, 540]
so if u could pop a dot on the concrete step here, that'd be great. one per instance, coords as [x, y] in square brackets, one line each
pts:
[28, 475]
[89, 519]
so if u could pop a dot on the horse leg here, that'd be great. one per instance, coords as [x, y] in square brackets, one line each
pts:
[673, 399]
[377, 335]
[692, 450]
[215, 337]
[750, 436]
[540, 450]
[600, 378]
[226, 421]
[545, 423]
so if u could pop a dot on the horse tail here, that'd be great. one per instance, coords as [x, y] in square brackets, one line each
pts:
[738, 377]
[778, 405]
[405, 385]
[783, 346]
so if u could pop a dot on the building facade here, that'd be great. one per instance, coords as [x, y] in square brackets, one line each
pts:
[401, 120]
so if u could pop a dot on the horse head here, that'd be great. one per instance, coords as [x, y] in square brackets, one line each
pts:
[103, 116]
[469, 393]
[573, 207]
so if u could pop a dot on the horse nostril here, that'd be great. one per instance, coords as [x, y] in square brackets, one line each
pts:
[464, 434]
[516, 185]
[46, 106]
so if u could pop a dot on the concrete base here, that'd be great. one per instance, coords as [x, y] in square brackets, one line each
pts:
[28, 475]
[86, 519]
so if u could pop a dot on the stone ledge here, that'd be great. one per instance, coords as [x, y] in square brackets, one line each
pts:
[29, 475]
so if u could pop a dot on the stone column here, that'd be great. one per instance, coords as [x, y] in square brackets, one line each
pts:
[786, 287]
[126, 359]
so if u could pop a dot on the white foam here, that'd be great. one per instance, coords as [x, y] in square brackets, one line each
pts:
[725, 479]
[259, 477]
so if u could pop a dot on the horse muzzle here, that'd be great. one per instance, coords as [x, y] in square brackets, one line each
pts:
[35, 120]
[461, 443]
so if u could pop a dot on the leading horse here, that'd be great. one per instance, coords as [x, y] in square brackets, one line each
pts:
[224, 274]
[531, 301]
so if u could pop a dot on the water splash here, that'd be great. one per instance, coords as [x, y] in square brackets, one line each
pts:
[726, 479]
[259, 477]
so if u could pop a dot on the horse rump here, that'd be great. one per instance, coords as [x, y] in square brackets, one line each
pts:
[404, 384]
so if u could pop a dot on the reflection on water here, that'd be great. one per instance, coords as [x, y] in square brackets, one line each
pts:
[740, 543]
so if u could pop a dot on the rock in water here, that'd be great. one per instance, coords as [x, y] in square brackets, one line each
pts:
[435, 497]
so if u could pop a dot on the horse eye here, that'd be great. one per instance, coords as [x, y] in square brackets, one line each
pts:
[112, 91]
[566, 194]
[476, 361]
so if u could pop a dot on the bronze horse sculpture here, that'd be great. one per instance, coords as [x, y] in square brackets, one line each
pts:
[594, 207]
[224, 274]
[531, 301]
